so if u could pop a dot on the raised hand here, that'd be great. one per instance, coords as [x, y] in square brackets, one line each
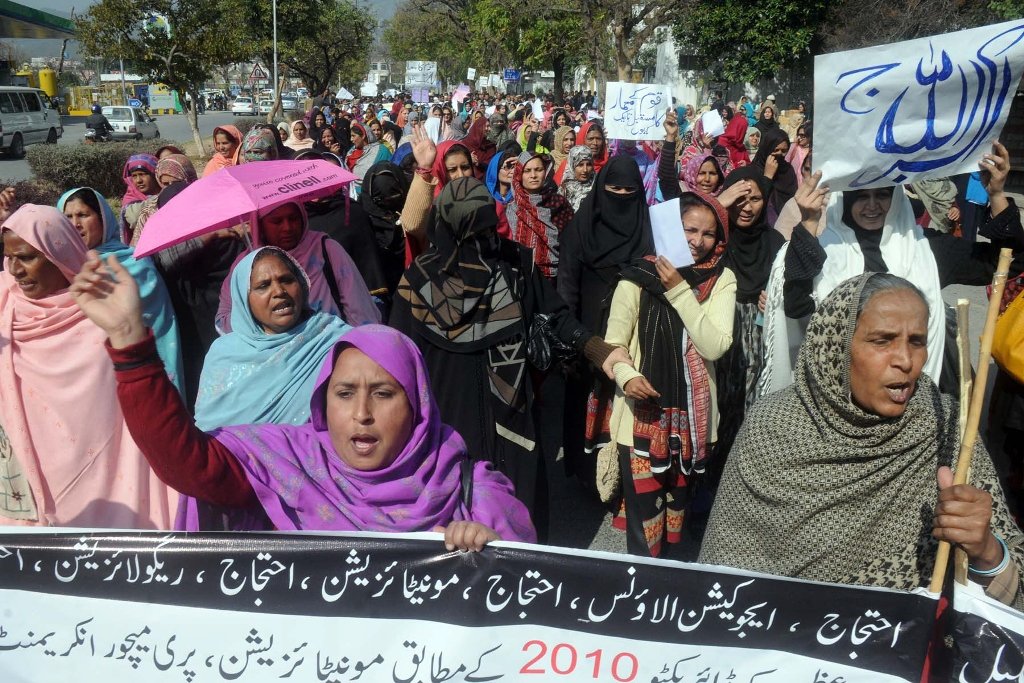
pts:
[812, 200]
[6, 203]
[671, 126]
[734, 193]
[771, 166]
[667, 273]
[994, 168]
[423, 148]
[109, 296]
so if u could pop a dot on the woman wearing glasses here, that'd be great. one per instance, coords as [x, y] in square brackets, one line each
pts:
[800, 149]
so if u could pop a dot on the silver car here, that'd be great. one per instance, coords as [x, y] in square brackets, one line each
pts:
[131, 123]
[243, 105]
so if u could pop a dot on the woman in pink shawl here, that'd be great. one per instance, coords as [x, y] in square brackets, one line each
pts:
[226, 140]
[703, 174]
[140, 183]
[335, 285]
[799, 151]
[70, 460]
[374, 456]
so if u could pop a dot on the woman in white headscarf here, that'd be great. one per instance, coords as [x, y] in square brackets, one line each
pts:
[874, 230]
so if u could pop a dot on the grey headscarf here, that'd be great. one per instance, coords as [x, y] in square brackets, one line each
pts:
[573, 189]
[497, 129]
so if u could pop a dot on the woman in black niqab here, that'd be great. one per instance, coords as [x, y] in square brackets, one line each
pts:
[610, 230]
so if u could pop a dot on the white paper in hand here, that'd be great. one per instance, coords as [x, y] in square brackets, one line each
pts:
[433, 127]
[669, 238]
[713, 124]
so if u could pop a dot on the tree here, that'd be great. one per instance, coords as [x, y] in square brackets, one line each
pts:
[423, 31]
[747, 40]
[876, 22]
[531, 33]
[1007, 9]
[199, 37]
[321, 41]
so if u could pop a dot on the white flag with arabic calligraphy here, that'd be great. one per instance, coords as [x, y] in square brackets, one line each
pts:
[923, 108]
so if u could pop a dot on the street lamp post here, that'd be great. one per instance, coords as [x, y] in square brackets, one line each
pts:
[276, 81]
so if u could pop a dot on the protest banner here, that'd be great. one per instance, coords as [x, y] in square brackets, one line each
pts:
[192, 608]
[420, 74]
[421, 95]
[918, 109]
[989, 638]
[636, 111]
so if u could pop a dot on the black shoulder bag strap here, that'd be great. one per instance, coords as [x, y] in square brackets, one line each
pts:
[332, 283]
[467, 483]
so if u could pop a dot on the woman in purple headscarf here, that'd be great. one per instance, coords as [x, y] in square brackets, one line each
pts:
[374, 456]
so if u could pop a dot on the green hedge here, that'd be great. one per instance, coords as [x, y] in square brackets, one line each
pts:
[98, 165]
[33, 192]
[245, 123]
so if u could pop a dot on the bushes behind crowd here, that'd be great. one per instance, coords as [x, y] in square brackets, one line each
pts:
[97, 165]
[34, 191]
[245, 123]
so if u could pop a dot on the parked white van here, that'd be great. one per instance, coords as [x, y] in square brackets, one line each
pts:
[26, 117]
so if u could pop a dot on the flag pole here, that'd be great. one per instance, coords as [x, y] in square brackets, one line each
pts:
[970, 434]
[963, 346]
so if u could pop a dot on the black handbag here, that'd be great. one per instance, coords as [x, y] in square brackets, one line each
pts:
[543, 347]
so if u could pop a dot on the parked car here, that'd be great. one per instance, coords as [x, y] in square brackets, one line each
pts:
[289, 102]
[26, 117]
[243, 105]
[266, 106]
[131, 123]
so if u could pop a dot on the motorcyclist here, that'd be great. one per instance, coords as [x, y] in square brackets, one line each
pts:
[98, 122]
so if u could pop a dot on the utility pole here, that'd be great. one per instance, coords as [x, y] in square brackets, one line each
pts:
[276, 80]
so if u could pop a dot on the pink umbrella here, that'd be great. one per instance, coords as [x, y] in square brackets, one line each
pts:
[234, 194]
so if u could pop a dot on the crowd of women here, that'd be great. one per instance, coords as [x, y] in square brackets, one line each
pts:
[483, 310]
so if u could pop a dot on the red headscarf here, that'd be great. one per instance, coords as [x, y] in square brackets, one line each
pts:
[438, 170]
[355, 154]
[538, 225]
[581, 139]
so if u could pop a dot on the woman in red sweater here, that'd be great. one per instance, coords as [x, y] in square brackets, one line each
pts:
[374, 456]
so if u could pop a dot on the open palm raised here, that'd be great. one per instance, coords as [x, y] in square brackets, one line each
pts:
[109, 297]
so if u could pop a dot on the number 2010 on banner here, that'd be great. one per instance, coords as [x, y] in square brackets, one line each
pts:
[564, 658]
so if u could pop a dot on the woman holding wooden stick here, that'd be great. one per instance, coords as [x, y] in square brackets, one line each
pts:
[844, 476]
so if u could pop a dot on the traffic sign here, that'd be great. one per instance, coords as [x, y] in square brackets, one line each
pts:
[258, 73]
[512, 75]
[132, 102]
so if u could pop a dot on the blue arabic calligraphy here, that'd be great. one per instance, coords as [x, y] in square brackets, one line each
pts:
[973, 95]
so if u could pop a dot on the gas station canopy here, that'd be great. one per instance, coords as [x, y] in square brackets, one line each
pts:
[19, 21]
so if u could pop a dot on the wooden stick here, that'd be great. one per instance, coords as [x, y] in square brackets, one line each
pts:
[963, 346]
[970, 435]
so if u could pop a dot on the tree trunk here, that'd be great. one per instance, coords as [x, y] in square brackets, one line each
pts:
[558, 66]
[277, 101]
[193, 120]
[623, 65]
